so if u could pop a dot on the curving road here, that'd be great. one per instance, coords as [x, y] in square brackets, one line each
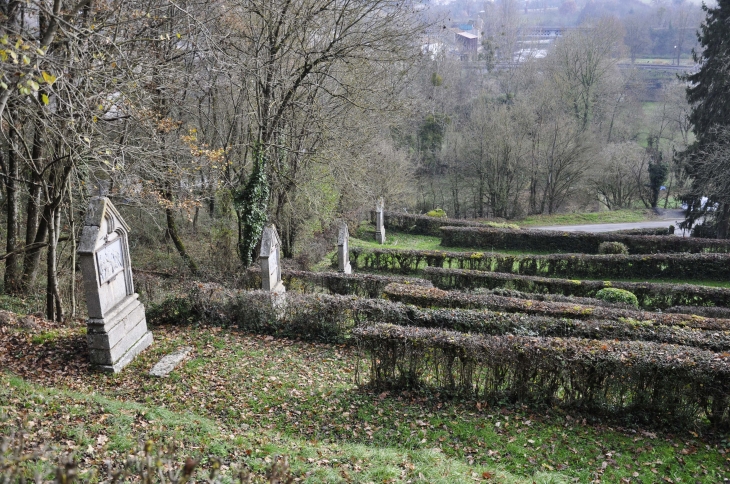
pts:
[668, 217]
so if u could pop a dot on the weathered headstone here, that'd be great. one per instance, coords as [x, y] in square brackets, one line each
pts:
[116, 328]
[379, 222]
[270, 260]
[343, 250]
[164, 367]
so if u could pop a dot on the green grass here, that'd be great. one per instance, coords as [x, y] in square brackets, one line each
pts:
[615, 216]
[247, 398]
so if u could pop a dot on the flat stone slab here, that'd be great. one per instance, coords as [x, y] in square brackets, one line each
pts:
[169, 362]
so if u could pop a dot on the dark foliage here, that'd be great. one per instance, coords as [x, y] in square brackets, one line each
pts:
[673, 383]
[649, 295]
[573, 242]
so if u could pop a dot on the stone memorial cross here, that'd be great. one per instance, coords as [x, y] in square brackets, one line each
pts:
[343, 250]
[117, 327]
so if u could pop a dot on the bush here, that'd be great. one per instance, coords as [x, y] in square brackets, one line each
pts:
[671, 383]
[650, 295]
[438, 213]
[611, 294]
[612, 248]
[484, 238]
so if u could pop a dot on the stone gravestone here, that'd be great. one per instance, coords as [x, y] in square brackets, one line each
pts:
[343, 250]
[269, 258]
[379, 222]
[116, 328]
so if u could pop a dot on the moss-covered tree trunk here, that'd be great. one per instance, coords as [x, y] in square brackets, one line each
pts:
[252, 203]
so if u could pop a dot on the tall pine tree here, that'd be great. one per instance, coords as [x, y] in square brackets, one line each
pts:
[709, 96]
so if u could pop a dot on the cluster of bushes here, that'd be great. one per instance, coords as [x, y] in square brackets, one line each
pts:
[649, 295]
[648, 231]
[432, 297]
[430, 224]
[364, 285]
[669, 382]
[715, 267]
[484, 238]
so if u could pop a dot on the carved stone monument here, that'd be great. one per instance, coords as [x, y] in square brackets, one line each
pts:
[116, 328]
[343, 250]
[379, 222]
[270, 260]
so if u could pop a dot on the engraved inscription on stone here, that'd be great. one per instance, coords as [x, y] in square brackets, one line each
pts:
[110, 260]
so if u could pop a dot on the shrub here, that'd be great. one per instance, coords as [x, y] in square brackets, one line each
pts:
[650, 295]
[676, 384]
[484, 238]
[438, 213]
[613, 294]
[612, 248]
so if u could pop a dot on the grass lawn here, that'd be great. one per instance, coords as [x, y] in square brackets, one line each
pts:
[615, 216]
[245, 398]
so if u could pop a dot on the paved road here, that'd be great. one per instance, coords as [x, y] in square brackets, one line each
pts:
[670, 217]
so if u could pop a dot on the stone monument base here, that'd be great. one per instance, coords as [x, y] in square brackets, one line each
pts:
[380, 236]
[347, 269]
[116, 339]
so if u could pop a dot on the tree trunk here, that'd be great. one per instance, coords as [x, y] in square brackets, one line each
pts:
[32, 258]
[12, 271]
[54, 306]
[172, 232]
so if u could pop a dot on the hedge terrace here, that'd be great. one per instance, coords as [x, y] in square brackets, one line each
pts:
[485, 238]
[365, 285]
[650, 295]
[433, 297]
[672, 383]
[332, 318]
[715, 267]
[425, 225]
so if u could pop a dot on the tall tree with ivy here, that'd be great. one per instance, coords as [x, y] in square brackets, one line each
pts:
[709, 97]
[252, 203]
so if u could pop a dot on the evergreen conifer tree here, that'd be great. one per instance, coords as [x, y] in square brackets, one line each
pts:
[709, 96]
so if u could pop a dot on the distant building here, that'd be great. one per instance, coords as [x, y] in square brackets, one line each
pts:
[467, 42]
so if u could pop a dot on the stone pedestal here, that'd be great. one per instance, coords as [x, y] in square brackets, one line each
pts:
[117, 327]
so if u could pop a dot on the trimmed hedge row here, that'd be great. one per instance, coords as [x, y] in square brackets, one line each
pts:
[715, 267]
[425, 225]
[433, 297]
[332, 318]
[670, 382]
[485, 238]
[650, 295]
[365, 285]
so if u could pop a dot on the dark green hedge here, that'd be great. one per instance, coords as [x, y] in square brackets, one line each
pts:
[677, 384]
[437, 298]
[573, 242]
[364, 285]
[425, 225]
[714, 267]
[650, 295]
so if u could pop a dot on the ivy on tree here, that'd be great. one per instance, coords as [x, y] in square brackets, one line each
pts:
[252, 203]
